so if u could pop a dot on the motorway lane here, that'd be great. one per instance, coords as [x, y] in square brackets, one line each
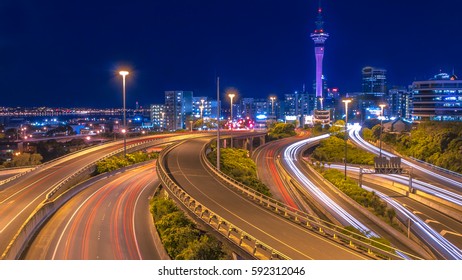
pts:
[448, 227]
[283, 235]
[265, 157]
[5, 174]
[335, 204]
[109, 220]
[443, 180]
[20, 197]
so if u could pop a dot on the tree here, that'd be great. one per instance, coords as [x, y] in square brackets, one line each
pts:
[337, 127]
[281, 130]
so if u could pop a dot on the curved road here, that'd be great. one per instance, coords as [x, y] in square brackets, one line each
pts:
[20, 197]
[109, 220]
[290, 239]
[443, 180]
[265, 159]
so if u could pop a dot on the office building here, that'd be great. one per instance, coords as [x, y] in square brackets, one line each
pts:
[158, 116]
[178, 109]
[438, 99]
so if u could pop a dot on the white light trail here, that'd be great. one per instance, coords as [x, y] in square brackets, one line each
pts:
[290, 157]
[441, 244]
[416, 184]
[354, 135]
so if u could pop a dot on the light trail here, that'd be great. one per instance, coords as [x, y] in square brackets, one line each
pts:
[441, 244]
[290, 157]
[416, 184]
[354, 135]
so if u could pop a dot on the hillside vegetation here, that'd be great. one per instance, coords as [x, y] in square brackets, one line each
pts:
[438, 143]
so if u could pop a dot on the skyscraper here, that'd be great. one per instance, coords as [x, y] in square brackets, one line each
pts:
[319, 37]
[374, 81]
[178, 109]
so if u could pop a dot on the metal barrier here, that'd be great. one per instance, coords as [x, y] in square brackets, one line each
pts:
[438, 168]
[49, 205]
[353, 240]
[230, 231]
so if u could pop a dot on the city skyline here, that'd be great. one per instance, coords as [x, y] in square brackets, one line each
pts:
[62, 54]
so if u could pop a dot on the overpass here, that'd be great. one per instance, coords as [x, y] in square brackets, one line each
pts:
[262, 227]
[22, 196]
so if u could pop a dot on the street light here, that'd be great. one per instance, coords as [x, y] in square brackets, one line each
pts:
[346, 101]
[123, 74]
[202, 116]
[381, 128]
[231, 96]
[202, 109]
[272, 105]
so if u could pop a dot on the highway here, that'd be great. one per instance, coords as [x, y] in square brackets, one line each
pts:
[265, 158]
[442, 180]
[332, 206]
[109, 220]
[431, 225]
[20, 197]
[283, 235]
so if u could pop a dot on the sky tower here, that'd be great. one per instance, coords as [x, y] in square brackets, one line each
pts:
[319, 37]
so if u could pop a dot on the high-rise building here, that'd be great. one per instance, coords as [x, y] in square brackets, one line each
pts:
[399, 103]
[178, 109]
[438, 99]
[158, 116]
[298, 106]
[198, 102]
[374, 89]
[374, 81]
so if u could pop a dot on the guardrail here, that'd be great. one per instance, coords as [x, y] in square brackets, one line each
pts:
[350, 239]
[49, 205]
[230, 231]
[88, 168]
[17, 176]
[44, 165]
[444, 170]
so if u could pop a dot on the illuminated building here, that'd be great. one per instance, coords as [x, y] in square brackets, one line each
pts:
[438, 99]
[178, 109]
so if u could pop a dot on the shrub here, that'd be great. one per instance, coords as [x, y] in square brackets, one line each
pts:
[180, 237]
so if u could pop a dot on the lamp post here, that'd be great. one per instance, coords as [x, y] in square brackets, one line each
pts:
[123, 74]
[231, 96]
[202, 111]
[381, 128]
[202, 117]
[272, 105]
[346, 101]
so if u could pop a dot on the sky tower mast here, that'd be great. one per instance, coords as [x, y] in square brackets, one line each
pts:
[319, 37]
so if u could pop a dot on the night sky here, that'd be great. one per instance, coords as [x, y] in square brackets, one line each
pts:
[68, 53]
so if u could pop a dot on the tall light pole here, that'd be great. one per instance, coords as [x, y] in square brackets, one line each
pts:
[272, 105]
[202, 116]
[346, 101]
[231, 96]
[202, 111]
[123, 74]
[381, 128]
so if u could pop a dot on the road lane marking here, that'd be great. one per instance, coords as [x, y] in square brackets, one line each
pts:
[332, 243]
